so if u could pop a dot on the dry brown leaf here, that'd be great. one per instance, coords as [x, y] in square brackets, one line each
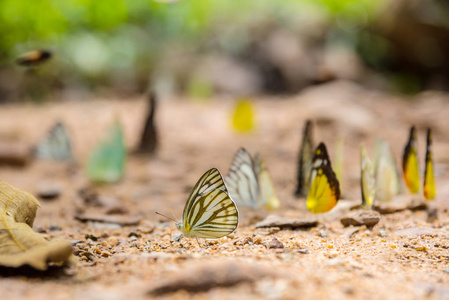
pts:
[19, 244]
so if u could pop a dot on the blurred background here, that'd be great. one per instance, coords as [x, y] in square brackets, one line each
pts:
[200, 48]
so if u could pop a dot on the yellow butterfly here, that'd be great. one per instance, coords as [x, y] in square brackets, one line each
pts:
[209, 212]
[388, 183]
[243, 117]
[324, 190]
[305, 160]
[367, 181]
[429, 182]
[249, 182]
[410, 163]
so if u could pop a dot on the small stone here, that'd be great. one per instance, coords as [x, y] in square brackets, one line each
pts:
[117, 210]
[258, 240]
[91, 237]
[76, 242]
[105, 253]
[393, 246]
[283, 223]
[417, 231]
[54, 227]
[112, 241]
[303, 251]
[359, 218]
[323, 233]
[176, 237]
[49, 191]
[394, 207]
[351, 231]
[134, 234]
[247, 240]
[275, 244]
[15, 153]
[383, 233]
[420, 248]
[330, 246]
[122, 220]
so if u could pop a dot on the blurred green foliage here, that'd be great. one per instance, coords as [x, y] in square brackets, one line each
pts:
[123, 40]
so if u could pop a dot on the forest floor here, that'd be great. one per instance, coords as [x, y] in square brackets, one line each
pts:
[405, 256]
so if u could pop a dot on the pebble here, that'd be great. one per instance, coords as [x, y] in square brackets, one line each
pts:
[417, 231]
[323, 233]
[281, 222]
[49, 191]
[112, 241]
[54, 227]
[15, 153]
[359, 218]
[275, 244]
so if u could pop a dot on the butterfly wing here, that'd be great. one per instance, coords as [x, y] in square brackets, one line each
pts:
[55, 145]
[367, 182]
[305, 160]
[387, 179]
[243, 117]
[242, 180]
[149, 138]
[429, 182]
[209, 211]
[268, 197]
[324, 190]
[410, 163]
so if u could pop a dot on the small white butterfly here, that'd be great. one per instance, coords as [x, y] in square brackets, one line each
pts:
[249, 182]
[55, 145]
[367, 180]
[209, 212]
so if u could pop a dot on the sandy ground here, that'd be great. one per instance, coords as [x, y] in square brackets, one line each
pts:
[326, 262]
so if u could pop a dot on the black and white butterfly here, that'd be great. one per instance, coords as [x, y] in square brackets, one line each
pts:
[209, 211]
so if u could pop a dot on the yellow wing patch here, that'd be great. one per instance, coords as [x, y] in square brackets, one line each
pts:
[410, 163]
[324, 190]
[243, 117]
[429, 181]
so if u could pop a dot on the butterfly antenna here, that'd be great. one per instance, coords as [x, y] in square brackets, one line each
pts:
[167, 217]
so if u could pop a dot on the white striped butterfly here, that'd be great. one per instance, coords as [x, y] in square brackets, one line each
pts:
[55, 145]
[388, 183]
[429, 181]
[367, 181]
[209, 212]
[410, 163]
[305, 161]
[324, 189]
[249, 182]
